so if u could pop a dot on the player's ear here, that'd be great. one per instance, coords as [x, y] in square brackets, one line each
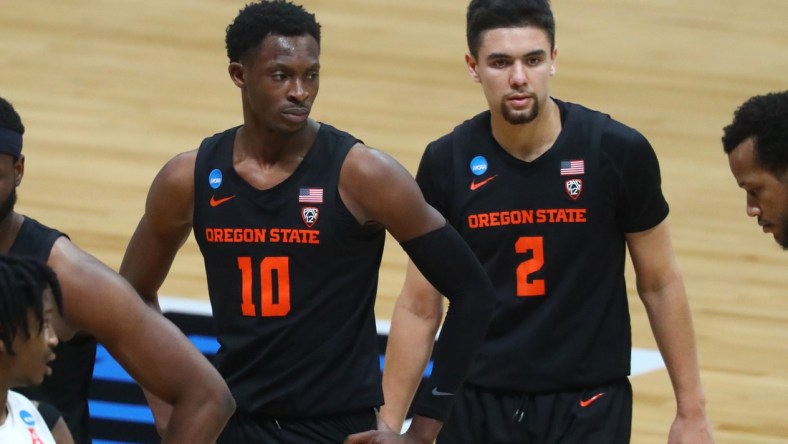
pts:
[472, 64]
[237, 74]
[3, 350]
[19, 169]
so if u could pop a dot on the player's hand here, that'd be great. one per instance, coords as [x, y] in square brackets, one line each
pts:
[374, 436]
[422, 431]
[691, 431]
[381, 437]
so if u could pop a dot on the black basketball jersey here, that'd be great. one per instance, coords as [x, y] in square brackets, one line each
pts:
[69, 385]
[292, 278]
[550, 233]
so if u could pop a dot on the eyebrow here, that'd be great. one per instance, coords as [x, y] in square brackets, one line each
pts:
[499, 55]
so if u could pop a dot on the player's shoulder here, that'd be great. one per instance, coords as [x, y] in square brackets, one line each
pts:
[615, 134]
[464, 131]
[365, 161]
[16, 398]
[179, 170]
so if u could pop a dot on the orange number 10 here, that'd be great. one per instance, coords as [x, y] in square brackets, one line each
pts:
[269, 306]
[535, 287]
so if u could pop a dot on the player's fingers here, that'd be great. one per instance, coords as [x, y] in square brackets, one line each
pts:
[362, 438]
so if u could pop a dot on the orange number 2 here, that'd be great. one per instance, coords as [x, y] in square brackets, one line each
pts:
[534, 287]
[270, 267]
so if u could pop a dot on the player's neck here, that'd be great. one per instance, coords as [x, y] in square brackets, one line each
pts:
[270, 147]
[529, 141]
[4, 404]
[264, 160]
[9, 228]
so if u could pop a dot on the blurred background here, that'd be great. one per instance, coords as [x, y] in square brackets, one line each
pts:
[109, 90]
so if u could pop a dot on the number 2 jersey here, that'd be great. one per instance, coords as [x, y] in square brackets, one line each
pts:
[550, 233]
[292, 278]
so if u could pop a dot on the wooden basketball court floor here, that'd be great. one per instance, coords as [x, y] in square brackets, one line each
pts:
[109, 90]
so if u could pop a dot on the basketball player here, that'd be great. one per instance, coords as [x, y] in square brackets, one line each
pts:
[757, 146]
[290, 215]
[549, 195]
[30, 298]
[100, 303]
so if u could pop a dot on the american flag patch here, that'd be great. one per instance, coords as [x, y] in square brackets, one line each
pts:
[572, 167]
[310, 195]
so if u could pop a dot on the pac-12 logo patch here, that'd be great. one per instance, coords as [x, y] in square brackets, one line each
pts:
[309, 216]
[574, 187]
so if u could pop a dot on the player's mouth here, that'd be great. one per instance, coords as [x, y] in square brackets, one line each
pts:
[519, 100]
[296, 114]
[50, 359]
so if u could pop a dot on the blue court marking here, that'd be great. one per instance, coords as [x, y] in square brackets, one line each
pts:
[427, 371]
[116, 411]
[104, 441]
[205, 344]
[108, 369]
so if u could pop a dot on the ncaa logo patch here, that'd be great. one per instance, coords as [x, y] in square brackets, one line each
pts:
[215, 178]
[573, 188]
[309, 216]
[27, 418]
[479, 165]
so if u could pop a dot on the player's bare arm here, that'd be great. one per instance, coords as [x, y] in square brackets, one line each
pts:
[161, 232]
[417, 315]
[377, 189]
[163, 229]
[661, 288]
[152, 349]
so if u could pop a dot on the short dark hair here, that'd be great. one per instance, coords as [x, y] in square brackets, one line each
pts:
[257, 20]
[23, 281]
[9, 118]
[484, 15]
[764, 119]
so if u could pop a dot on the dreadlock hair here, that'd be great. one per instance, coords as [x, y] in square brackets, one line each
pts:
[485, 15]
[257, 20]
[23, 281]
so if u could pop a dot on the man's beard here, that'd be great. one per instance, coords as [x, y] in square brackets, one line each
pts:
[519, 117]
[784, 231]
[7, 206]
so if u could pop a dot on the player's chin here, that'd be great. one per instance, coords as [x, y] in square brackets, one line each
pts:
[39, 378]
[782, 240]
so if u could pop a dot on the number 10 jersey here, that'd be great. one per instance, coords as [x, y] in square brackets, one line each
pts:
[292, 278]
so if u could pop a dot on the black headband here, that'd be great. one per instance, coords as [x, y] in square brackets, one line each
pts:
[10, 142]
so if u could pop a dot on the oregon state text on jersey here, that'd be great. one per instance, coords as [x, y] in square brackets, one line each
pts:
[292, 278]
[261, 235]
[517, 217]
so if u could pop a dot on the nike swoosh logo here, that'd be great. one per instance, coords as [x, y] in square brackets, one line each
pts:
[216, 202]
[436, 392]
[475, 185]
[589, 401]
